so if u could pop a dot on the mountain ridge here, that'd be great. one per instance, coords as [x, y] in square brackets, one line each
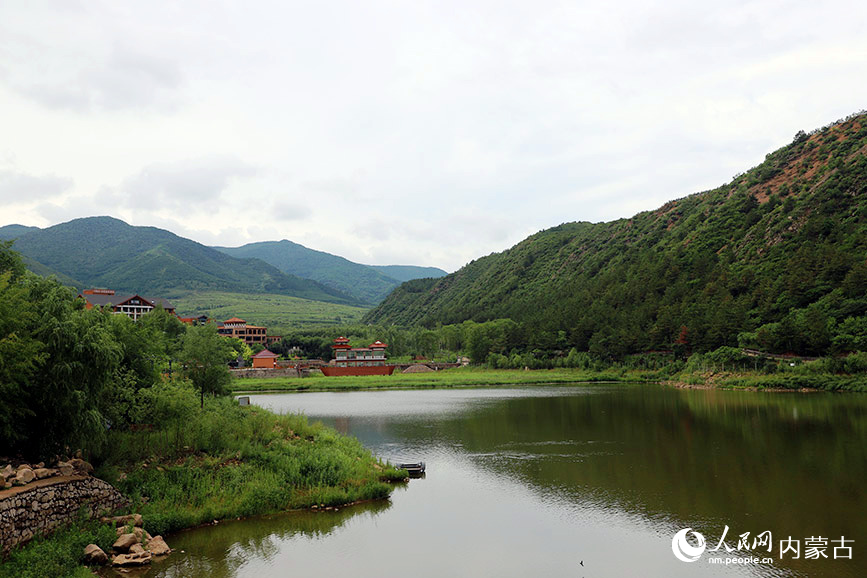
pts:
[107, 252]
[779, 247]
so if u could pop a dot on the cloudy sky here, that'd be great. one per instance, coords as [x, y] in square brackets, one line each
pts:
[408, 132]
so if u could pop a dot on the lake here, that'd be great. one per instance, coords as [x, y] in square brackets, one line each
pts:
[580, 481]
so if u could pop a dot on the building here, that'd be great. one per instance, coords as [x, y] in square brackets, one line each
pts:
[346, 356]
[132, 305]
[238, 328]
[265, 360]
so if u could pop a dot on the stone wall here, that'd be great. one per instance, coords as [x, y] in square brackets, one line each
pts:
[44, 505]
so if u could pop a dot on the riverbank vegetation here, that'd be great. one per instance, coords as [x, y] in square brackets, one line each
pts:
[145, 402]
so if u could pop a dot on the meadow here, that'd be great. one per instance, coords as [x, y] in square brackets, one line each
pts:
[277, 312]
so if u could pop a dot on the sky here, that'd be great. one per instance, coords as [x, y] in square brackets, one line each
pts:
[411, 132]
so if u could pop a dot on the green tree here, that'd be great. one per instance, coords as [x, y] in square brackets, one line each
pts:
[205, 355]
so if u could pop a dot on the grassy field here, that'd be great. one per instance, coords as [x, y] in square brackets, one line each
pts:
[277, 312]
[460, 377]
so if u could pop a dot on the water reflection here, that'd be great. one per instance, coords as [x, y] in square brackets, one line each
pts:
[251, 547]
[537, 480]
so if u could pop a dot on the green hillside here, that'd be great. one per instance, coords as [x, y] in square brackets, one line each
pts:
[280, 313]
[106, 252]
[362, 282]
[408, 272]
[8, 232]
[776, 259]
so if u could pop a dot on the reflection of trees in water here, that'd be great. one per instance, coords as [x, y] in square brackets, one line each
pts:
[786, 462]
[220, 551]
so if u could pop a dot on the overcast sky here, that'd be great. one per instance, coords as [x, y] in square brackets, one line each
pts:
[410, 132]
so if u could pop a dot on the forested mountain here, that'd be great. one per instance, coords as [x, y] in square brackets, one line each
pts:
[107, 252]
[409, 272]
[360, 281]
[8, 232]
[367, 283]
[776, 259]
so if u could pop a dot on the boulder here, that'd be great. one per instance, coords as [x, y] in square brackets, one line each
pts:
[93, 554]
[136, 548]
[41, 473]
[81, 466]
[123, 543]
[158, 547]
[131, 559]
[25, 476]
[65, 468]
[7, 472]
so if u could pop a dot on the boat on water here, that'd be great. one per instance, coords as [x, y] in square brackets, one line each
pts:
[415, 470]
[350, 360]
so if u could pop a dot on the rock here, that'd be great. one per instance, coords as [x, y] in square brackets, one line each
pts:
[137, 520]
[93, 554]
[123, 543]
[131, 559]
[7, 472]
[158, 547]
[41, 473]
[25, 476]
[81, 466]
[39, 465]
[65, 468]
[136, 548]
[2, 483]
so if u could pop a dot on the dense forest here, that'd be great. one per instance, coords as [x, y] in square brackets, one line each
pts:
[775, 260]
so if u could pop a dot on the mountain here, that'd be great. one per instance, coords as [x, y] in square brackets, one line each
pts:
[409, 272]
[107, 252]
[14, 231]
[775, 259]
[369, 284]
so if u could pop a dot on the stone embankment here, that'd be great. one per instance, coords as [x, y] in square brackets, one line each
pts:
[34, 500]
[133, 547]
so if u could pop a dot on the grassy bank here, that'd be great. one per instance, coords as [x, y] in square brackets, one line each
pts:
[458, 377]
[230, 462]
[221, 461]
[482, 377]
[777, 381]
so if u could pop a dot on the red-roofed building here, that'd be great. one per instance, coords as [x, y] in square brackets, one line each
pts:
[350, 360]
[239, 329]
[265, 360]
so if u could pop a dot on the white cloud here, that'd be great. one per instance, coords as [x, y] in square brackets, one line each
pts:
[17, 187]
[425, 132]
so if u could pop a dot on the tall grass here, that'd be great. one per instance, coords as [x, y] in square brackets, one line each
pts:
[227, 461]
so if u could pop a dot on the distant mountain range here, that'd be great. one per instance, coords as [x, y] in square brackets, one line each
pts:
[370, 284]
[775, 259]
[107, 252]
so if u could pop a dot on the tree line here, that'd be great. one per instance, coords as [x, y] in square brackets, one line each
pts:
[68, 374]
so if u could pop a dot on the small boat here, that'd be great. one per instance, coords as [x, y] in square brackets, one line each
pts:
[415, 470]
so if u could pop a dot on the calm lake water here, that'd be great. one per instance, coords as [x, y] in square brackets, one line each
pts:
[580, 481]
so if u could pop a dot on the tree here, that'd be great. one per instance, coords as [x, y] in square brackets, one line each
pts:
[205, 355]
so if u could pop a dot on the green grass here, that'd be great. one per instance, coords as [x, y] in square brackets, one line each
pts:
[459, 377]
[228, 462]
[791, 381]
[59, 554]
[219, 462]
[277, 312]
